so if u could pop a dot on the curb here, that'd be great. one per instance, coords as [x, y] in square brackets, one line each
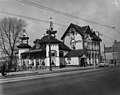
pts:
[33, 73]
[47, 75]
[50, 74]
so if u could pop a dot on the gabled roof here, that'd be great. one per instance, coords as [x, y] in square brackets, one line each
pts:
[112, 49]
[116, 44]
[82, 31]
[62, 46]
[95, 37]
[23, 46]
[42, 47]
[45, 40]
[108, 49]
[75, 53]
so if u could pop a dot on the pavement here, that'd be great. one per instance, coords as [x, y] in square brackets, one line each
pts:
[44, 73]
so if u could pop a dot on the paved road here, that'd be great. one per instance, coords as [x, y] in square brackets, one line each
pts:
[103, 82]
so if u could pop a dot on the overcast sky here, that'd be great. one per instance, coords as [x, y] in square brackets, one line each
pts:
[101, 11]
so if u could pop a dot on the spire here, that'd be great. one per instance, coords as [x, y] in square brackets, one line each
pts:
[24, 38]
[50, 30]
[24, 33]
[51, 24]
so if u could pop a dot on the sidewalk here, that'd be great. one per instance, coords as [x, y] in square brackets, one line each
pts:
[45, 71]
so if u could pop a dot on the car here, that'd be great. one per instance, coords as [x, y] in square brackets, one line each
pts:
[103, 64]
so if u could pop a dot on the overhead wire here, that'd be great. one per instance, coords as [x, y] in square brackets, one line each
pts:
[61, 13]
[31, 18]
[36, 19]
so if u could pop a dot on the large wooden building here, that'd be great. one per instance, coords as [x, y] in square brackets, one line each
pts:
[39, 53]
[84, 45]
[80, 46]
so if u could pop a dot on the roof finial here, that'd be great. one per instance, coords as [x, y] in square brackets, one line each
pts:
[51, 24]
[25, 33]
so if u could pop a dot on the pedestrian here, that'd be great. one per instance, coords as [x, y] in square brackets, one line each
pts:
[43, 64]
[115, 63]
[3, 68]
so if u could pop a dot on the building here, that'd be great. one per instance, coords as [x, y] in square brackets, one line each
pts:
[23, 47]
[80, 46]
[112, 54]
[38, 55]
[84, 45]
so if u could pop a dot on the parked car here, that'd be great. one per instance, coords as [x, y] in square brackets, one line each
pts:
[103, 64]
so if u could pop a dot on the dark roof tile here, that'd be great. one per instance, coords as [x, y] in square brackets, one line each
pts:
[24, 46]
[62, 46]
[75, 53]
[45, 40]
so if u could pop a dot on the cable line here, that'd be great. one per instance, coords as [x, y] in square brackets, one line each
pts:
[35, 19]
[61, 13]
[31, 18]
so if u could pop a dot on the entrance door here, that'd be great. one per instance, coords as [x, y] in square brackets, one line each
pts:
[82, 62]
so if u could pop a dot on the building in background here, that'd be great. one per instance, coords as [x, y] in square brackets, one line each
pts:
[84, 45]
[112, 54]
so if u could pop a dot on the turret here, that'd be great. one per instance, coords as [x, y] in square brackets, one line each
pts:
[23, 46]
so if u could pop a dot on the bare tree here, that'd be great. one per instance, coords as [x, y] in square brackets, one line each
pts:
[10, 29]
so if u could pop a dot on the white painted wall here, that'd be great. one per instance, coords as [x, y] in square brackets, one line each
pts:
[56, 48]
[109, 55]
[21, 51]
[67, 41]
[79, 41]
[74, 61]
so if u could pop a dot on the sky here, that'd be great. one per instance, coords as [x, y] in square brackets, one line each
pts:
[101, 11]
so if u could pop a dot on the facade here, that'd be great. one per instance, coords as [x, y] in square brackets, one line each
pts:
[84, 45]
[38, 56]
[23, 47]
[80, 46]
[112, 54]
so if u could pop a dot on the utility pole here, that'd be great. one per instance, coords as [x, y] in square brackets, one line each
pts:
[104, 54]
[49, 32]
[99, 34]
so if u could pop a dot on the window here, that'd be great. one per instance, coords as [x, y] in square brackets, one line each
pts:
[73, 43]
[69, 60]
[53, 53]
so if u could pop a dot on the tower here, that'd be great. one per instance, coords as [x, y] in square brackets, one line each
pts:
[23, 46]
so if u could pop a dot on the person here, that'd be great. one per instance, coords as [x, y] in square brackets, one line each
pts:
[115, 63]
[43, 64]
[3, 68]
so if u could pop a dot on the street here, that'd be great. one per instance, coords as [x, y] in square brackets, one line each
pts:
[102, 82]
